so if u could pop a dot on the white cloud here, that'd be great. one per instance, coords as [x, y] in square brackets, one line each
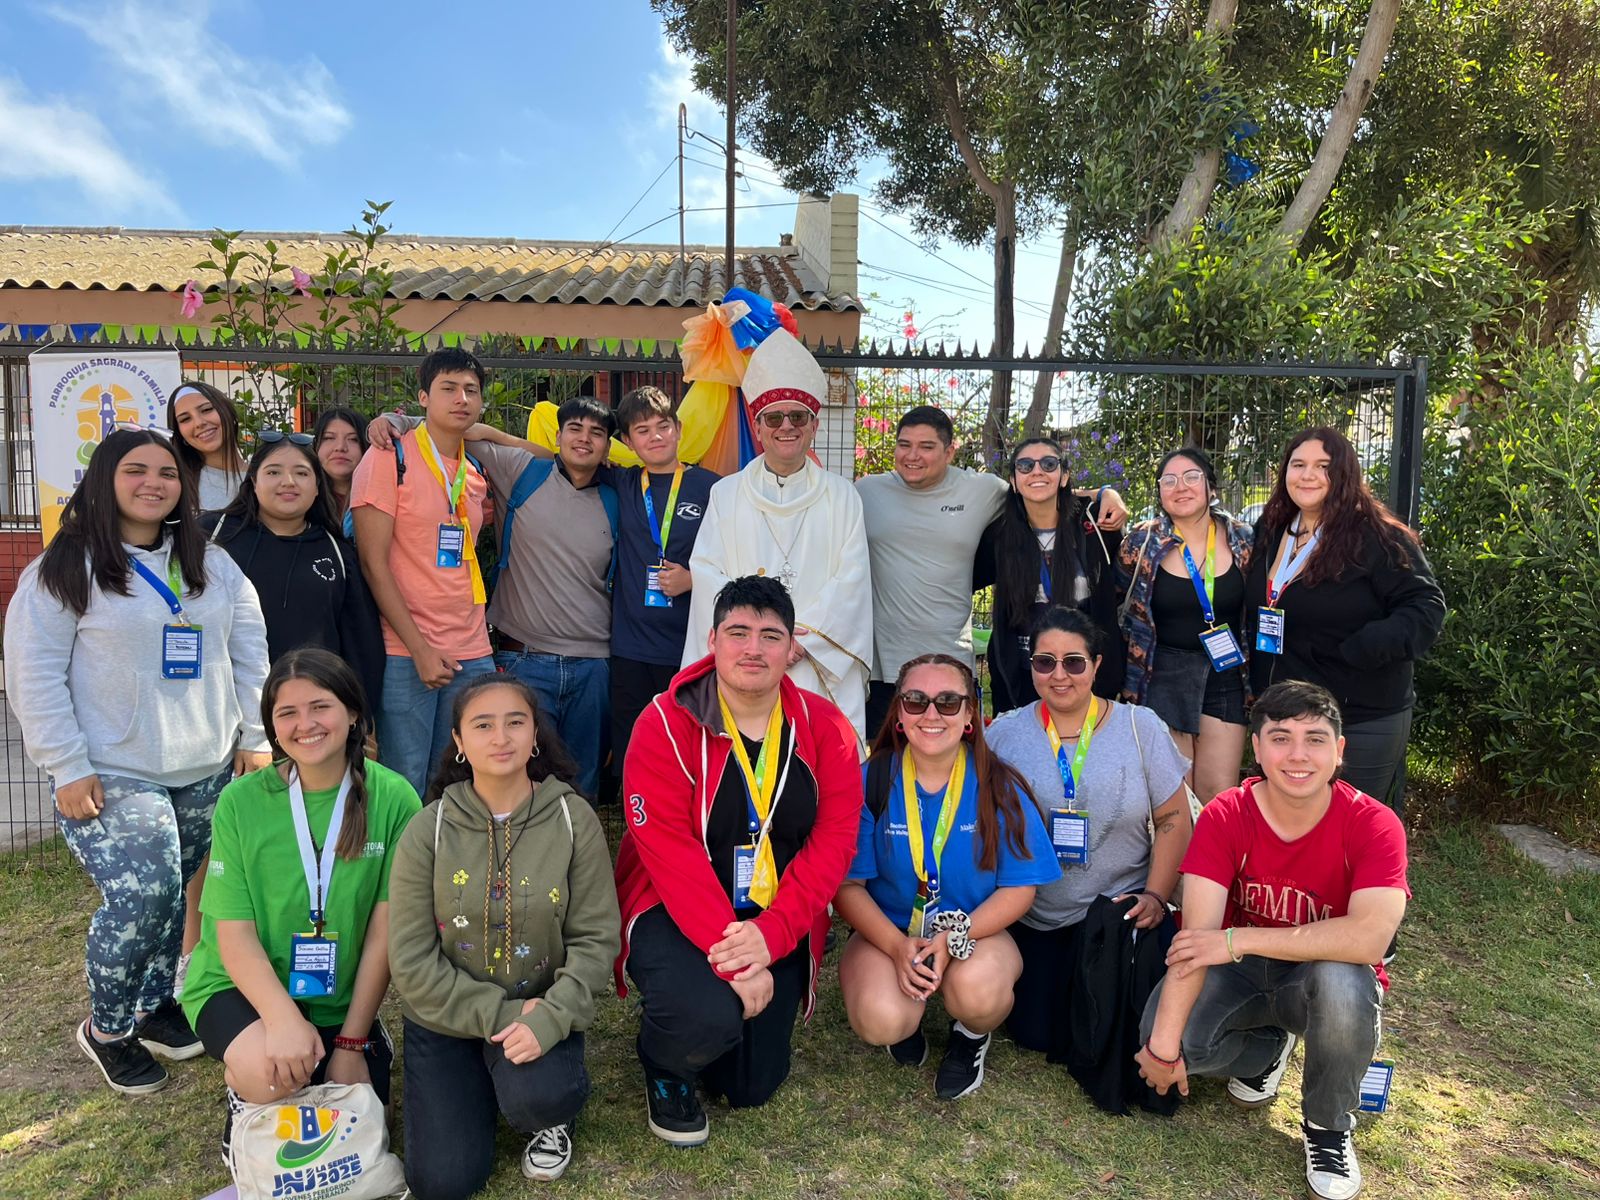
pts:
[273, 109]
[42, 141]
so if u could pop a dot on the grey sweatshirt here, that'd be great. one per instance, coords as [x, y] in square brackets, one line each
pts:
[88, 690]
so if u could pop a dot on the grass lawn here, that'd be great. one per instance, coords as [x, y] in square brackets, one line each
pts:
[1492, 1021]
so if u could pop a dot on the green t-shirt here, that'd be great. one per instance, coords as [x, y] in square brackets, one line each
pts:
[256, 875]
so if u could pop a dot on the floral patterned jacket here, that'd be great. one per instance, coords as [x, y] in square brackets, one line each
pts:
[1143, 548]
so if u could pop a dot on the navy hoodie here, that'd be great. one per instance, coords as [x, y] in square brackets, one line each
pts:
[312, 593]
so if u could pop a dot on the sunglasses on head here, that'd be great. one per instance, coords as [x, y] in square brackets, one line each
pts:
[1045, 664]
[948, 703]
[270, 437]
[798, 417]
[1046, 463]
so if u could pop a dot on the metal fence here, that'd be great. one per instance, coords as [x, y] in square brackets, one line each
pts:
[1114, 419]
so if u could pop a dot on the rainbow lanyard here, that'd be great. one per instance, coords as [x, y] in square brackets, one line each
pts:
[1071, 769]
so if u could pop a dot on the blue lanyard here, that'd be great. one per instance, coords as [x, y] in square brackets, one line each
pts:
[166, 593]
[1199, 588]
[1044, 576]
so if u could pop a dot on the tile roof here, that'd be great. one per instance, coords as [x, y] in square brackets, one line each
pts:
[425, 268]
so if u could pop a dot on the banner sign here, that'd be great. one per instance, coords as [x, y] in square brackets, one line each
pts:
[77, 399]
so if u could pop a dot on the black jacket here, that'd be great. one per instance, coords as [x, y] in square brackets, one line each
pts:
[312, 593]
[1358, 635]
[1010, 679]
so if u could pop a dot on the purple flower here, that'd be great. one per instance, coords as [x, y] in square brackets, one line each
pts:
[1115, 467]
[1113, 439]
[1095, 434]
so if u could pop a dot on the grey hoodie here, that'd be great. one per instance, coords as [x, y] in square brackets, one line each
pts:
[564, 927]
[88, 690]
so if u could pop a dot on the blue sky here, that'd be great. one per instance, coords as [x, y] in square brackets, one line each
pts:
[534, 119]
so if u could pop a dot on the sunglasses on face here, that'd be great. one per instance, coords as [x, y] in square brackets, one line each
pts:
[916, 703]
[798, 417]
[271, 437]
[1188, 479]
[1045, 664]
[1047, 463]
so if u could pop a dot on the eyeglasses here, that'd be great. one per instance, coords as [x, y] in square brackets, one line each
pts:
[1048, 463]
[948, 703]
[1188, 479]
[271, 437]
[1045, 664]
[798, 417]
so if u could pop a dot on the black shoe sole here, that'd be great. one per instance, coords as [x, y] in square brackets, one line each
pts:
[127, 1089]
[683, 1139]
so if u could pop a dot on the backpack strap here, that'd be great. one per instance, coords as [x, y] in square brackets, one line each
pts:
[399, 462]
[533, 475]
[880, 778]
[608, 498]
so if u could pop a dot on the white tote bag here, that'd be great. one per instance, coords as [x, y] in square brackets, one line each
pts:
[324, 1141]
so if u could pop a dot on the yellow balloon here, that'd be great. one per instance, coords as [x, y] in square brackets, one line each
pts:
[701, 413]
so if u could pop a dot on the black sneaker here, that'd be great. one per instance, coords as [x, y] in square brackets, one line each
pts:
[1259, 1090]
[961, 1070]
[167, 1032]
[125, 1063]
[912, 1052]
[1332, 1172]
[676, 1115]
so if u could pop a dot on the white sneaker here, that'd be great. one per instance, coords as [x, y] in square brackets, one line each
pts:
[548, 1154]
[1257, 1090]
[1332, 1172]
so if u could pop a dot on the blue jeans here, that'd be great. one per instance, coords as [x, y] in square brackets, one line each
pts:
[414, 719]
[1245, 1009]
[575, 694]
[147, 842]
[455, 1091]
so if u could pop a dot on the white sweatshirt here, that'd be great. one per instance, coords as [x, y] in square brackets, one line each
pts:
[88, 690]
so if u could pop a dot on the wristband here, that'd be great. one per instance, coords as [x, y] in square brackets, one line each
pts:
[1156, 894]
[1231, 953]
[359, 1045]
[1165, 1062]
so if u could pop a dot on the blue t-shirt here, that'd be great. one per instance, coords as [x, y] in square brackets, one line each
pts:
[653, 635]
[883, 852]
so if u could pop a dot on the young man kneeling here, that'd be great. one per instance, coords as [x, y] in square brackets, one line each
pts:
[1293, 887]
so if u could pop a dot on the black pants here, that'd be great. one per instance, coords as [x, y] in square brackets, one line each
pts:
[1038, 1019]
[694, 1024]
[880, 696]
[633, 685]
[455, 1088]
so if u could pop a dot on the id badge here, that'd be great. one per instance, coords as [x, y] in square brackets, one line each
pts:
[313, 965]
[1069, 834]
[1269, 630]
[744, 874]
[1375, 1085]
[1222, 648]
[923, 910]
[654, 597]
[452, 545]
[180, 652]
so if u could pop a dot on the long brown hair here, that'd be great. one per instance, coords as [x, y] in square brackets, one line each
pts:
[1349, 514]
[331, 673]
[998, 784]
[551, 759]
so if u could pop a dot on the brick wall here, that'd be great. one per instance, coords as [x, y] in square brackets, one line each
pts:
[17, 549]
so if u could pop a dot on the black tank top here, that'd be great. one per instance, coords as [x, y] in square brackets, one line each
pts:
[1175, 608]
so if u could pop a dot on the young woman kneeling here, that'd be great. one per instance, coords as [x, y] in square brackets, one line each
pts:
[292, 963]
[950, 850]
[504, 929]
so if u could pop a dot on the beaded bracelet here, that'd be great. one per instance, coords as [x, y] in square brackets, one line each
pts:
[359, 1045]
[1165, 1062]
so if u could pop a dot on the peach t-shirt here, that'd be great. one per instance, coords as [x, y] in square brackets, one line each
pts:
[440, 598]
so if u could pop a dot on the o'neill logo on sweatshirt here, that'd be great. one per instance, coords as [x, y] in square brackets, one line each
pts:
[1280, 902]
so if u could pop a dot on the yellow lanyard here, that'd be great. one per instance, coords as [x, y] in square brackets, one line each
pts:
[941, 831]
[456, 498]
[760, 783]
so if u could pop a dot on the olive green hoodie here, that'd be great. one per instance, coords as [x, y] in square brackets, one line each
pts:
[458, 978]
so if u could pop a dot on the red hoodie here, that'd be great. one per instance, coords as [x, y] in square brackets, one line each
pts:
[676, 758]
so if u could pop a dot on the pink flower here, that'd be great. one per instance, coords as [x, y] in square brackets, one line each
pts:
[861, 453]
[193, 301]
[302, 281]
[911, 331]
[954, 381]
[923, 388]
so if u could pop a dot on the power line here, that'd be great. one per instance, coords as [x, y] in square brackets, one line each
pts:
[642, 195]
[959, 290]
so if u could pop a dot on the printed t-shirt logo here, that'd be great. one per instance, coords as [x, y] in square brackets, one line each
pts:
[689, 511]
[372, 850]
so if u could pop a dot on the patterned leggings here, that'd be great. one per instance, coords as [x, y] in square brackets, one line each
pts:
[147, 842]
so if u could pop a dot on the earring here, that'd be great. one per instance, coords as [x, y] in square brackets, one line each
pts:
[900, 725]
[535, 753]
[460, 757]
[968, 729]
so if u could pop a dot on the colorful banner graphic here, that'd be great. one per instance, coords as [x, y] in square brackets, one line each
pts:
[77, 399]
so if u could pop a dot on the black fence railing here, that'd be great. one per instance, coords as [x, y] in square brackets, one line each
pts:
[1114, 420]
